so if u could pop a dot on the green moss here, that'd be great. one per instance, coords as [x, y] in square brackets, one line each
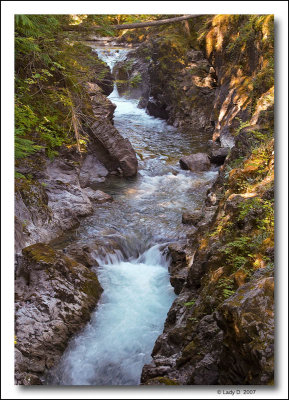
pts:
[40, 252]
[189, 348]
[165, 381]
[91, 286]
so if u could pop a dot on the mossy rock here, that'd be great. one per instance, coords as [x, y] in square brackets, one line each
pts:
[91, 286]
[40, 252]
[161, 380]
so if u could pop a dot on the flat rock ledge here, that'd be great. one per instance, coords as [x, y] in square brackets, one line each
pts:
[54, 296]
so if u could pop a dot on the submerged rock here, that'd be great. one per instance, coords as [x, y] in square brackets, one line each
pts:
[54, 297]
[98, 196]
[195, 162]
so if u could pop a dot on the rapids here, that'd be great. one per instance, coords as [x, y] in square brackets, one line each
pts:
[144, 216]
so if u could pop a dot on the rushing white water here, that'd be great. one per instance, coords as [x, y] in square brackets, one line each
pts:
[117, 342]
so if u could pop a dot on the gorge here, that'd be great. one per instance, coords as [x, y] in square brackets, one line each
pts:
[144, 247]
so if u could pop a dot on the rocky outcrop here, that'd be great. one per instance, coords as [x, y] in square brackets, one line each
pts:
[132, 76]
[46, 207]
[244, 69]
[195, 162]
[220, 329]
[218, 155]
[114, 151]
[101, 105]
[54, 297]
[92, 171]
[106, 81]
[247, 320]
[183, 94]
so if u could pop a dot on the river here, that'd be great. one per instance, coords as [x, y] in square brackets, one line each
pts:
[143, 218]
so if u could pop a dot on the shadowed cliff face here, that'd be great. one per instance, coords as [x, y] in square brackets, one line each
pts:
[173, 85]
[220, 329]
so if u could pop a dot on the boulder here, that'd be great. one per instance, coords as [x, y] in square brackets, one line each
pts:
[195, 162]
[191, 219]
[157, 108]
[98, 196]
[113, 150]
[102, 106]
[218, 155]
[54, 298]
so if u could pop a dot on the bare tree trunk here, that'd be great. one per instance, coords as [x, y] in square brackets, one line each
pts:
[152, 23]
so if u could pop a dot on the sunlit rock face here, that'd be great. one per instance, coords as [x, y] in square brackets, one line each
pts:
[182, 93]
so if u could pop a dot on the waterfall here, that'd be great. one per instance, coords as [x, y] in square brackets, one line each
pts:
[117, 342]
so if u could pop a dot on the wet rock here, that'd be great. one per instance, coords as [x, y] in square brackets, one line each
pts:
[102, 106]
[195, 162]
[178, 268]
[192, 219]
[157, 109]
[82, 254]
[218, 155]
[98, 196]
[112, 149]
[67, 203]
[92, 171]
[54, 298]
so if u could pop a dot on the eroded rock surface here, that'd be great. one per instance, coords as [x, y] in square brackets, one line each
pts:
[98, 196]
[54, 297]
[112, 149]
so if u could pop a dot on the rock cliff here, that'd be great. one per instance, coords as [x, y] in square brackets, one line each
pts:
[220, 329]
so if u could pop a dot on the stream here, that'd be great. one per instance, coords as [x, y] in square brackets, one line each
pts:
[143, 218]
